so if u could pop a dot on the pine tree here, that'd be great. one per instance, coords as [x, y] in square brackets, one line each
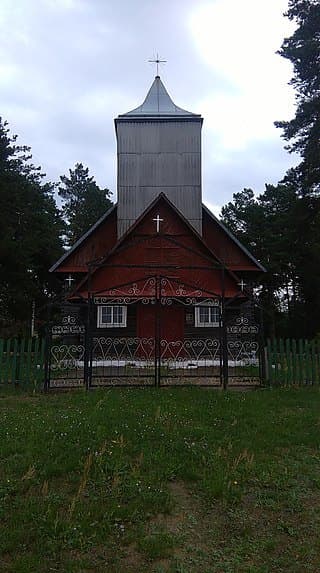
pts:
[31, 229]
[83, 201]
[302, 133]
[267, 226]
[302, 49]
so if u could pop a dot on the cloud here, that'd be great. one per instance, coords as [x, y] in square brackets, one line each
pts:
[252, 167]
[70, 66]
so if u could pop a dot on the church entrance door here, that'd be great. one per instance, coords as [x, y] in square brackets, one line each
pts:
[170, 328]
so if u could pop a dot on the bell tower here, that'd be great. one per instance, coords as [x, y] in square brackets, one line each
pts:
[159, 151]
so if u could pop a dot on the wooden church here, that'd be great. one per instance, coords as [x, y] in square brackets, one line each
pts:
[159, 266]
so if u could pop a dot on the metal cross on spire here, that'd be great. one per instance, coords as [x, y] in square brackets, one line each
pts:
[157, 61]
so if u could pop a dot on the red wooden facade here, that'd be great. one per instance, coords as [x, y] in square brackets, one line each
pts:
[176, 247]
[172, 262]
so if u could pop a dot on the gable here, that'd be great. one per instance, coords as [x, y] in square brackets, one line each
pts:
[177, 252]
[226, 246]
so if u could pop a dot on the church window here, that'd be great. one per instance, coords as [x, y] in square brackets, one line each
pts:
[207, 316]
[112, 316]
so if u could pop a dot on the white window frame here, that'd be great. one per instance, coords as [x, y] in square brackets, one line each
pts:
[210, 323]
[112, 324]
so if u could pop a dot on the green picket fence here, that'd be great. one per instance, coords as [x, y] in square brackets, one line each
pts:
[292, 362]
[22, 361]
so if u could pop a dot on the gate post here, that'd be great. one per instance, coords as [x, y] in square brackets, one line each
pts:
[88, 346]
[225, 371]
[47, 349]
[262, 354]
[88, 334]
[157, 347]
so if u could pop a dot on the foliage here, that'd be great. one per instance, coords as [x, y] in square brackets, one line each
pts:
[281, 226]
[141, 480]
[30, 232]
[302, 49]
[267, 226]
[83, 201]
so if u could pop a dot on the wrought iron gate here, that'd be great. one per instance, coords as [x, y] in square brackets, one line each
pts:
[196, 357]
[66, 346]
[243, 346]
[122, 361]
[228, 354]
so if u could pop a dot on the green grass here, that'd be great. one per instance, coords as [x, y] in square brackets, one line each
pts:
[177, 480]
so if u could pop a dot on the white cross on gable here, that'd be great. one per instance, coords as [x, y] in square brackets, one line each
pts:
[242, 284]
[158, 220]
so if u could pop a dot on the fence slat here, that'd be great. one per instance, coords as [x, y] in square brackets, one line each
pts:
[301, 361]
[282, 362]
[28, 361]
[308, 362]
[22, 360]
[269, 361]
[42, 359]
[35, 375]
[289, 361]
[275, 360]
[7, 361]
[14, 362]
[314, 363]
[1, 360]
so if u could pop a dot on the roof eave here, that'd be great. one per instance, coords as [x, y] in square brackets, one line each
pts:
[82, 238]
[232, 236]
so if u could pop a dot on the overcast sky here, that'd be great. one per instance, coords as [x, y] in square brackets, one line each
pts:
[68, 67]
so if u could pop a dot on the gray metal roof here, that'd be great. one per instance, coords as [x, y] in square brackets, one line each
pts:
[158, 103]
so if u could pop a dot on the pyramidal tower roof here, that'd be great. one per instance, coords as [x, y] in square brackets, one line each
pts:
[158, 103]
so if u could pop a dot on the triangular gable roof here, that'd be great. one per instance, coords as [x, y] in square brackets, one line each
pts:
[123, 244]
[162, 196]
[63, 261]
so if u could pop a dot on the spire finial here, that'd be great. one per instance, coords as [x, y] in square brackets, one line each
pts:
[157, 61]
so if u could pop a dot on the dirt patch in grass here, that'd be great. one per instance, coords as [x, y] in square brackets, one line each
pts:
[133, 560]
[238, 538]
[184, 506]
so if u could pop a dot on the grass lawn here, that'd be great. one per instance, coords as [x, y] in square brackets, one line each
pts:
[177, 480]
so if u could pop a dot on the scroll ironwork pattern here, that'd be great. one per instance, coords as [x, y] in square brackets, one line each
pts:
[67, 356]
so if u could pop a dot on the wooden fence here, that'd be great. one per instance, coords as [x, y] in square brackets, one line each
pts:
[22, 361]
[292, 362]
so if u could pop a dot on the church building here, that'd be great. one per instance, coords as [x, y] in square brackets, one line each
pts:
[158, 267]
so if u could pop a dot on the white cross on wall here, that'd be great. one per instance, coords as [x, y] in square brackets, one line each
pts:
[158, 220]
[242, 284]
[69, 280]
